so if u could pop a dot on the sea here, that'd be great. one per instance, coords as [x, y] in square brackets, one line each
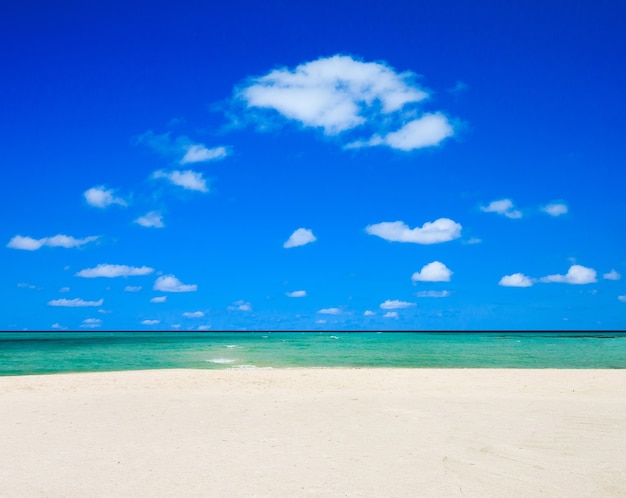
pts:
[28, 353]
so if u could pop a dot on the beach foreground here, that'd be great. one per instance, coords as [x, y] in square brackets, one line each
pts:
[315, 432]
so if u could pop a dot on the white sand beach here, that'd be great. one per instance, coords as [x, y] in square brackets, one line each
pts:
[315, 432]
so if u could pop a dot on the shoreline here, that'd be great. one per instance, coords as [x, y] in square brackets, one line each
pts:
[315, 432]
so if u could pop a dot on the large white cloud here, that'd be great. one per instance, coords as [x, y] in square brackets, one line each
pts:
[440, 230]
[300, 237]
[75, 303]
[433, 272]
[169, 283]
[189, 180]
[340, 93]
[515, 280]
[395, 304]
[505, 207]
[555, 208]
[576, 274]
[30, 244]
[152, 219]
[102, 197]
[112, 271]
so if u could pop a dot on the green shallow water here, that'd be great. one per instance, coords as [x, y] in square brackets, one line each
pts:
[24, 353]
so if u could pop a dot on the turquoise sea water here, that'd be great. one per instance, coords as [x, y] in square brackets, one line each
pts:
[23, 353]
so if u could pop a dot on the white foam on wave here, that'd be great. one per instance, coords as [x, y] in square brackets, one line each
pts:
[221, 360]
[233, 346]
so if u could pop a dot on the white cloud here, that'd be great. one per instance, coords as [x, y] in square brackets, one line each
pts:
[391, 314]
[91, 323]
[504, 207]
[150, 322]
[58, 326]
[612, 275]
[30, 244]
[153, 219]
[395, 304]
[112, 271]
[158, 299]
[576, 274]
[474, 240]
[198, 153]
[368, 313]
[204, 327]
[330, 311]
[432, 293]
[555, 208]
[240, 306]
[169, 283]
[298, 293]
[132, 288]
[440, 230]
[74, 303]
[193, 314]
[101, 197]
[300, 237]
[433, 272]
[622, 298]
[24, 285]
[64, 289]
[515, 280]
[189, 180]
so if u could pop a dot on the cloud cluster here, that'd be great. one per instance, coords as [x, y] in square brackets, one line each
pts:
[169, 283]
[102, 197]
[340, 93]
[504, 207]
[433, 272]
[91, 323]
[75, 303]
[576, 275]
[240, 306]
[113, 271]
[300, 237]
[395, 304]
[30, 244]
[438, 231]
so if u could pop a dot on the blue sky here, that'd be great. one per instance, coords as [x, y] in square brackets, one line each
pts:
[313, 165]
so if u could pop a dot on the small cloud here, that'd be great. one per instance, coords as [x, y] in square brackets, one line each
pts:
[440, 230]
[153, 219]
[330, 311]
[298, 293]
[189, 180]
[612, 275]
[433, 272]
[203, 328]
[169, 283]
[150, 322]
[91, 323]
[622, 298]
[24, 285]
[321, 322]
[432, 293]
[240, 306]
[368, 313]
[132, 288]
[300, 237]
[113, 271]
[30, 244]
[64, 289]
[515, 280]
[473, 240]
[199, 153]
[57, 326]
[74, 303]
[102, 197]
[158, 299]
[555, 208]
[193, 314]
[395, 304]
[391, 314]
[504, 207]
[576, 274]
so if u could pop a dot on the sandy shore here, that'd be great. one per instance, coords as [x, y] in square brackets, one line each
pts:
[315, 432]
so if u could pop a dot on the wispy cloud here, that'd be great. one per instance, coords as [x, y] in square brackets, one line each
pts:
[300, 237]
[369, 313]
[102, 197]
[199, 153]
[150, 322]
[169, 283]
[189, 180]
[340, 93]
[504, 207]
[432, 293]
[58, 326]
[182, 147]
[298, 293]
[158, 299]
[240, 306]
[75, 303]
[622, 298]
[132, 288]
[193, 314]
[612, 275]
[30, 244]
[152, 219]
[113, 271]
[395, 304]
[555, 208]
[440, 230]
[576, 274]
[515, 280]
[329, 311]
[433, 272]
[91, 323]
[391, 314]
